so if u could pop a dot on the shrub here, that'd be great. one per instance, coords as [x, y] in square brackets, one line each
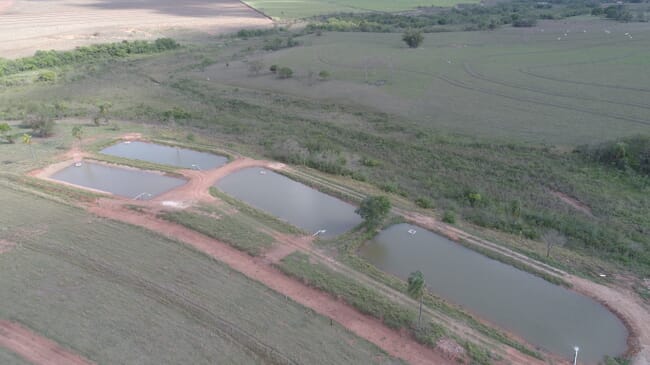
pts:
[324, 75]
[449, 217]
[285, 73]
[424, 203]
[273, 68]
[46, 76]
[413, 38]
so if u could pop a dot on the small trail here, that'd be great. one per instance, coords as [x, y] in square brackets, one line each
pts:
[34, 348]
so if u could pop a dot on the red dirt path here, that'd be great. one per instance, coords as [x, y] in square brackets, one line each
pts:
[371, 329]
[34, 348]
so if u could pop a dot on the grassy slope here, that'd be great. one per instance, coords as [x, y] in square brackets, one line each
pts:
[227, 227]
[118, 294]
[284, 9]
[439, 165]
[489, 84]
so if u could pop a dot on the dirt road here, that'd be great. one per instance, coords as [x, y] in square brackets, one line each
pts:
[34, 348]
[27, 26]
[371, 329]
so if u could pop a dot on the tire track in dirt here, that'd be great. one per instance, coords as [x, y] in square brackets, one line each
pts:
[34, 348]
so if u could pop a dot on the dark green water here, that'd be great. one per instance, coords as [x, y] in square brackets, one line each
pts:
[166, 155]
[128, 183]
[291, 201]
[546, 315]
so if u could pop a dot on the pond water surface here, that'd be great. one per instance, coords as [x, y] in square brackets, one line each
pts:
[546, 315]
[125, 182]
[166, 155]
[291, 201]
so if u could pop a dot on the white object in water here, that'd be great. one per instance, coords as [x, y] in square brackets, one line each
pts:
[559, 38]
[602, 275]
[78, 164]
[262, 172]
[320, 231]
[412, 231]
[607, 31]
[127, 142]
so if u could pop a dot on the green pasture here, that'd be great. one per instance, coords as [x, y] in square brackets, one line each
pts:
[521, 84]
[117, 294]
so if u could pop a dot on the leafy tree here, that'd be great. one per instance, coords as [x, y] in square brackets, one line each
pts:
[78, 133]
[27, 139]
[413, 38]
[40, 123]
[255, 67]
[474, 198]
[374, 209]
[285, 73]
[5, 130]
[415, 290]
[553, 238]
[102, 114]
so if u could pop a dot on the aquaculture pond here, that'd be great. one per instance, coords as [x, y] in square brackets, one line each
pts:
[546, 315]
[166, 155]
[296, 203]
[126, 182]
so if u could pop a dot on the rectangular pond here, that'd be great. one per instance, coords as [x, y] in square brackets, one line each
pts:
[166, 155]
[129, 183]
[546, 315]
[296, 203]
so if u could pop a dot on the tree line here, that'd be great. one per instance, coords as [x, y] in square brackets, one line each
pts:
[46, 59]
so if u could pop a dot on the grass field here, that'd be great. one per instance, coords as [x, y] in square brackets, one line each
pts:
[372, 133]
[285, 9]
[521, 84]
[117, 294]
[233, 228]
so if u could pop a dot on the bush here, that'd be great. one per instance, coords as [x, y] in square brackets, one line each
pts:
[324, 75]
[41, 124]
[413, 38]
[449, 217]
[285, 73]
[273, 68]
[425, 203]
[46, 76]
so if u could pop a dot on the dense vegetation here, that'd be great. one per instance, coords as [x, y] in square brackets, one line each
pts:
[504, 186]
[45, 59]
[518, 13]
[629, 153]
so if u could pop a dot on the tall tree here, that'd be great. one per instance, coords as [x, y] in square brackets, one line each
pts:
[415, 290]
[413, 38]
[27, 139]
[5, 129]
[78, 133]
[553, 238]
[374, 210]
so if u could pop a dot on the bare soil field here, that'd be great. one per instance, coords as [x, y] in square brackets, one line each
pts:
[28, 25]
